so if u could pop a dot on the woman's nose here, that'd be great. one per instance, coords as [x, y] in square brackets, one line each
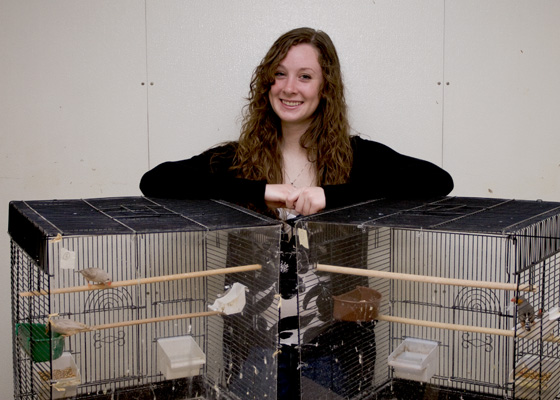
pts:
[291, 85]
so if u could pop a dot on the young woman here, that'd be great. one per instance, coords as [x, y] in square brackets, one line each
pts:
[295, 151]
[296, 156]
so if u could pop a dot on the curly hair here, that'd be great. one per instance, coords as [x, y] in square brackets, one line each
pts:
[327, 140]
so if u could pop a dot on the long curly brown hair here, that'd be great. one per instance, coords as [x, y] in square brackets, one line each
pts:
[327, 140]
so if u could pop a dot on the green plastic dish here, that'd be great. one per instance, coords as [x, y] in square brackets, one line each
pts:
[38, 344]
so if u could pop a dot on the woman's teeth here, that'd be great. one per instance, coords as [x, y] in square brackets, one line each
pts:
[292, 103]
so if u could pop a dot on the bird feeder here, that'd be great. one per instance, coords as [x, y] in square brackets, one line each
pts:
[179, 357]
[37, 343]
[415, 359]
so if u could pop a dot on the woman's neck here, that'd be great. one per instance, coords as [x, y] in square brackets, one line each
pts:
[298, 170]
[291, 134]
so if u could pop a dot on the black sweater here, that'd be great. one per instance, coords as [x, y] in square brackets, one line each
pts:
[377, 172]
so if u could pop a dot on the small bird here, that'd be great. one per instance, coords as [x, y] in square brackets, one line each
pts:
[525, 312]
[95, 275]
[66, 327]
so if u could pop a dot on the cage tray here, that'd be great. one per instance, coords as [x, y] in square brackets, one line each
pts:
[37, 343]
[534, 375]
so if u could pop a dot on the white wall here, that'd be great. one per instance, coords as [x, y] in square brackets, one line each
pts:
[92, 94]
[502, 125]
[200, 60]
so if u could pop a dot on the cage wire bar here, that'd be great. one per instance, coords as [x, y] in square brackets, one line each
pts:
[450, 272]
[140, 242]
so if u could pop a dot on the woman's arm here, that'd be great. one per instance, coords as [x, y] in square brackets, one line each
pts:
[205, 176]
[380, 172]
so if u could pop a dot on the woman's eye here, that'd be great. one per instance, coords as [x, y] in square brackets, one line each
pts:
[306, 77]
[279, 74]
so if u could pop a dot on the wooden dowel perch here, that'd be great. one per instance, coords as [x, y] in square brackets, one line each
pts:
[464, 328]
[552, 339]
[144, 281]
[425, 279]
[443, 325]
[156, 319]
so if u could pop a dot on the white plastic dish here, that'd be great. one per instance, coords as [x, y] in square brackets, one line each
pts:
[179, 357]
[415, 359]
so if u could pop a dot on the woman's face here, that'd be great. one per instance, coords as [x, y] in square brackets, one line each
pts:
[294, 96]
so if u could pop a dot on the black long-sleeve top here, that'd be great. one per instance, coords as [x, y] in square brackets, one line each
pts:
[377, 172]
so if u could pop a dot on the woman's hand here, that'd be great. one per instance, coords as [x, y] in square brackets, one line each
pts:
[306, 200]
[276, 195]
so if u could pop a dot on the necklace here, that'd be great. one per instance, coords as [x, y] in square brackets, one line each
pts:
[292, 181]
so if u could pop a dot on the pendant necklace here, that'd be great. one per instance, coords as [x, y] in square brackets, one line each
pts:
[292, 181]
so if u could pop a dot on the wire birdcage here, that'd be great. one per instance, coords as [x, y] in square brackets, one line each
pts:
[469, 303]
[396, 299]
[168, 261]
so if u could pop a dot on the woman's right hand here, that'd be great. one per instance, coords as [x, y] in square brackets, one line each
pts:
[275, 195]
[307, 200]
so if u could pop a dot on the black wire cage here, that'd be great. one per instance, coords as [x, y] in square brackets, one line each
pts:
[176, 321]
[452, 297]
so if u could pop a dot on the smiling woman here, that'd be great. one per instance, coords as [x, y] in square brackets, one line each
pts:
[295, 156]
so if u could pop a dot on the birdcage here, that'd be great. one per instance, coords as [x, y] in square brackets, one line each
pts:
[453, 296]
[176, 318]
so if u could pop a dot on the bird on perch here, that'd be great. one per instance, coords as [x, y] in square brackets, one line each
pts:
[65, 326]
[525, 312]
[96, 275]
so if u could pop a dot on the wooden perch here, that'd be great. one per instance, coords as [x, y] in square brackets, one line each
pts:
[443, 325]
[156, 319]
[552, 339]
[424, 278]
[144, 281]
[468, 328]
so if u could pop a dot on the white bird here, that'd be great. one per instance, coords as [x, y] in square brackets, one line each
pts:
[66, 327]
[96, 275]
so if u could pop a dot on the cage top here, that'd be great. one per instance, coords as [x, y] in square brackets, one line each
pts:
[124, 215]
[458, 214]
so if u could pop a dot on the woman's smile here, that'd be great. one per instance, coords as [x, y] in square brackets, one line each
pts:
[291, 103]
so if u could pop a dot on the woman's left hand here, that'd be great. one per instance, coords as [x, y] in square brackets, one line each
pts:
[307, 200]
